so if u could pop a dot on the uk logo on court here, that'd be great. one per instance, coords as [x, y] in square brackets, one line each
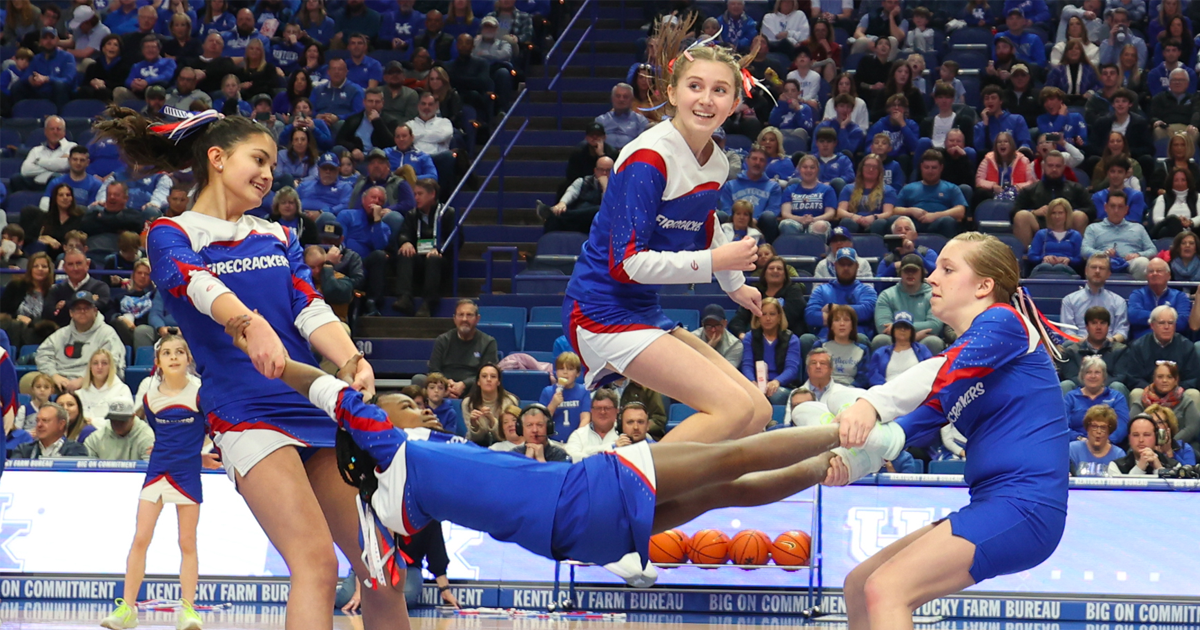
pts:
[10, 530]
[873, 528]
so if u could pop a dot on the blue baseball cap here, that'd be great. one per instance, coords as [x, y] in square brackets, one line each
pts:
[902, 317]
[83, 296]
[847, 253]
[837, 232]
[719, 132]
[328, 159]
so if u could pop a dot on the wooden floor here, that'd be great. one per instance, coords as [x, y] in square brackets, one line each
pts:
[16, 615]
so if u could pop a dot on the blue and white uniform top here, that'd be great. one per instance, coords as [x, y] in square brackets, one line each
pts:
[998, 388]
[179, 429]
[656, 225]
[198, 258]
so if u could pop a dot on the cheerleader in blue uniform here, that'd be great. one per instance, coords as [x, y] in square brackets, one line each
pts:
[215, 262]
[997, 387]
[172, 408]
[657, 225]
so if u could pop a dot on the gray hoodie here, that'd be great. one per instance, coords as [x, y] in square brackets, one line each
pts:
[67, 351]
[895, 299]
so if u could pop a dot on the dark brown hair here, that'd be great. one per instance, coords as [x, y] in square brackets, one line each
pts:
[153, 152]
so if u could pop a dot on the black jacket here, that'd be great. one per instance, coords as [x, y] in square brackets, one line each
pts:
[417, 226]
[13, 296]
[1165, 107]
[1043, 192]
[214, 72]
[1137, 135]
[62, 292]
[440, 46]
[962, 122]
[70, 448]
[382, 133]
[261, 81]
[1026, 106]
[103, 228]
[470, 74]
[306, 233]
[794, 302]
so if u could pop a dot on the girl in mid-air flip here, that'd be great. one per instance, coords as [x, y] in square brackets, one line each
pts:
[215, 262]
[657, 225]
[997, 388]
[172, 407]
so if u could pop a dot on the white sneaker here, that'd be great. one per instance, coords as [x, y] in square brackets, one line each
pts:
[635, 572]
[811, 414]
[884, 443]
[842, 398]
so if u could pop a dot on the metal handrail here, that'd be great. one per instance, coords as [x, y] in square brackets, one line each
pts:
[546, 60]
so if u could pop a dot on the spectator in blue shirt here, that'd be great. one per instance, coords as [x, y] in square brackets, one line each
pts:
[216, 18]
[737, 28]
[122, 18]
[935, 206]
[339, 98]
[791, 114]
[850, 136]
[1028, 47]
[15, 73]
[621, 123]
[229, 100]
[867, 205]
[1057, 247]
[836, 169]
[1092, 454]
[356, 18]
[808, 205]
[1118, 172]
[51, 73]
[85, 186]
[287, 51]
[400, 27]
[404, 153]
[154, 69]
[315, 22]
[894, 175]
[1143, 300]
[902, 131]
[326, 193]
[993, 119]
[1058, 119]
[569, 404]
[302, 118]
[236, 40]
[1159, 79]
[762, 192]
[1035, 11]
[1120, 36]
[362, 70]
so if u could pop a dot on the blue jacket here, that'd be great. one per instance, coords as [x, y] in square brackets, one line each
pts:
[850, 138]
[123, 22]
[160, 72]
[856, 294]
[1044, 244]
[322, 32]
[1029, 47]
[286, 57]
[235, 44]
[1088, 81]
[877, 367]
[11, 76]
[1136, 204]
[317, 196]
[447, 413]
[737, 33]
[59, 67]
[1142, 301]
[343, 102]
[1012, 123]
[1069, 125]
[361, 234]
[223, 22]
[840, 166]
[1035, 10]
[765, 194]
[319, 129]
[85, 191]
[893, 175]
[784, 117]
[159, 316]
[397, 26]
[904, 139]
[362, 73]
[781, 168]
[1077, 406]
[419, 160]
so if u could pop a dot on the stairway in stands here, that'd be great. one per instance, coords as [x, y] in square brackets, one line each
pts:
[535, 168]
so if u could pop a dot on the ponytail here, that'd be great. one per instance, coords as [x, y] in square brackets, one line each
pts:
[150, 147]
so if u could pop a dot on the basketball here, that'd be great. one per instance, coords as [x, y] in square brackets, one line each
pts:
[750, 547]
[709, 546]
[791, 549]
[669, 547]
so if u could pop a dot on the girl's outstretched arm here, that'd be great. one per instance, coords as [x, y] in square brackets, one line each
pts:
[298, 376]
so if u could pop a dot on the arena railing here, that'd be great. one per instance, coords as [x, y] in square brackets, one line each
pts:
[498, 167]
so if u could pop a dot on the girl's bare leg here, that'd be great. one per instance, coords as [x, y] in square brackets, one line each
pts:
[934, 565]
[854, 589]
[189, 566]
[135, 563]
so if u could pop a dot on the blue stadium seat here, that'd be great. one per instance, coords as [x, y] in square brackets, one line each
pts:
[968, 59]
[525, 384]
[545, 314]
[540, 284]
[396, 356]
[558, 250]
[23, 399]
[27, 350]
[972, 86]
[10, 167]
[688, 317]
[972, 35]
[869, 245]
[544, 357]
[540, 336]
[145, 356]
[778, 412]
[83, 108]
[1082, 178]
[933, 241]
[10, 138]
[993, 216]
[1163, 243]
[793, 144]
[514, 315]
[737, 142]
[135, 374]
[678, 413]
[34, 108]
[18, 200]
[1013, 242]
[800, 246]
[505, 334]
[948, 467]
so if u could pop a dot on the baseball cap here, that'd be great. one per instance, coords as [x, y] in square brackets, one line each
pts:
[1018, 10]
[489, 21]
[377, 154]
[902, 317]
[1005, 38]
[912, 260]
[82, 14]
[48, 30]
[328, 159]
[393, 66]
[260, 98]
[83, 296]
[156, 91]
[1020, 67]
[595, 129]
[848, 253]
[120, 410]
[712, 311]
[837, 232]
[331, 230]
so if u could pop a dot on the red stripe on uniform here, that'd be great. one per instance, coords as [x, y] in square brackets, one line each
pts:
[170, 480]
[710, 227]
[617, 269]
[578, 319]
[239, 241]
[360, 423]
[573, 333]
[637, 471]
[307, 289]
[218, 426]
[947, 376]
[186, 271]
[705, 187]
[648, 157]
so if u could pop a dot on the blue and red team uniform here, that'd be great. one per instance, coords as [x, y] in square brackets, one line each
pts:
[597, 510]
[655, 226]
[998, 387]
[197, 258]
[8, 394]
[173, 473]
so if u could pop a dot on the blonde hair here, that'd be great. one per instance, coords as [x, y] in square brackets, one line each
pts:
[39, 377]
[875, 200]
[1067, 210]
[112, 368]
[756, 321]
[567, 361]
[1167, 414]
[740, 205]
[777, 134]
[672, 58]
[990, 258]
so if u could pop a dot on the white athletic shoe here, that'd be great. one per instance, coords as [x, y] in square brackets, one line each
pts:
[811, 414]
[884, 443]
[635, 573]
[842, 398]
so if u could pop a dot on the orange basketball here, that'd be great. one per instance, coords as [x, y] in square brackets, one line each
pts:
[792, 549]
[750, 547]
[669, 547]
[709, 546]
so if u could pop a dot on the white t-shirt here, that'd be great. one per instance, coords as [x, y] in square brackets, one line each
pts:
[810, 86]
[901, 361]
[941, 128]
